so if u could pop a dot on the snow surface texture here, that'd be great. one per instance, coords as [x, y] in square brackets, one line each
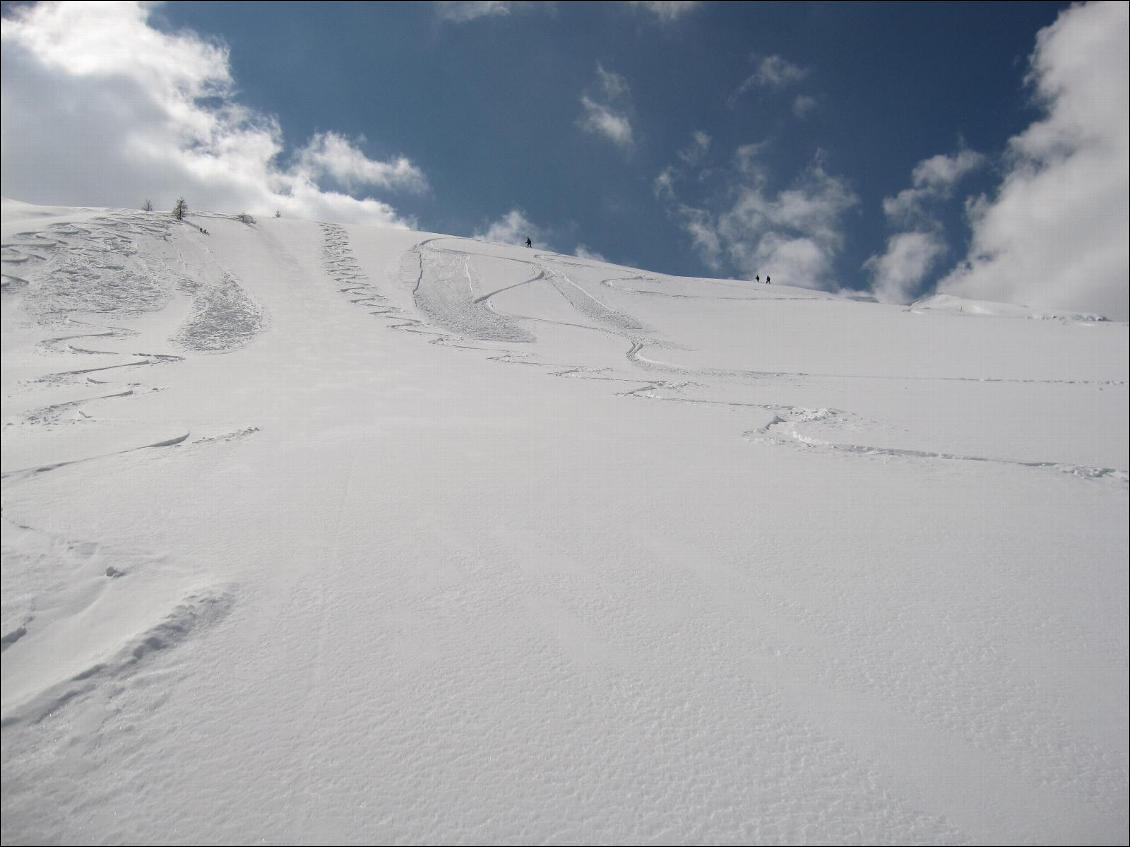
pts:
[333, 534]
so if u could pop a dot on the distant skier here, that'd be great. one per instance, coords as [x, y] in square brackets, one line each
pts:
[529, 243]
[767, 282]
[757, 277]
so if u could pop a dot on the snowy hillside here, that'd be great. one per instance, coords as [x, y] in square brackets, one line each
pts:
[331, 534]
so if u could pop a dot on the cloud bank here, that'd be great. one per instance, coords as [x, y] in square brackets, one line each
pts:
[1056, 235]
[102, 109]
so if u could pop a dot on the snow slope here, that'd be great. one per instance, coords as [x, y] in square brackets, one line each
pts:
[316, 534]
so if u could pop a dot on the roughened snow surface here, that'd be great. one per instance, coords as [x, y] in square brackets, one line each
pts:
[327, 534]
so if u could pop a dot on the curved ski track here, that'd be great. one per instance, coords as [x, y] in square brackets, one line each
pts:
[343, 268]
[69, 272]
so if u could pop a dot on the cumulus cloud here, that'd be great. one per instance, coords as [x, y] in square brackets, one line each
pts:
[897, 275]
[100, 108]
[794, 234]
[608, 116]
[329, 154]
[1055, 235]
[512, 228]
[603, 120]
[932, 179]
[900, 273]
[667, 10]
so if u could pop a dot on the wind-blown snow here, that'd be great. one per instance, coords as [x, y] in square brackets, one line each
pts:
[329, 534]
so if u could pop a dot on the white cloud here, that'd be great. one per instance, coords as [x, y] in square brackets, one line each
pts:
[940, 172]
[804, 105]
[694, 152]
[774, 72]
[470, 10]
[512, 228]
[1055, 235]
[608, 117]
[664, 184]
[100, 108]
[603, 120]
[583, 252]
[897, 275]
[703, 230]
[794, 234]
[691, 156]
[932, 179]
[329, 154]
[614, 85]
[748, 160]
[669, 10]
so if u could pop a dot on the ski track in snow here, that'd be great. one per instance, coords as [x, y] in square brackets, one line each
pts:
[96, 268]
[784, 431]
[48, 415]
[449, 300]
[88, 281]
[93, 279]
[224, 318]
[642, 361]
[26, 473]
[757, 297]
[81, 276]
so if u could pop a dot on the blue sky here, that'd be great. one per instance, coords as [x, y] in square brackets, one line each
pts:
[488, 108]
[717, 139]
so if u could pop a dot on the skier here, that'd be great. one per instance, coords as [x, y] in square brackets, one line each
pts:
[757, 277]
[767, 282]
[529, 243]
